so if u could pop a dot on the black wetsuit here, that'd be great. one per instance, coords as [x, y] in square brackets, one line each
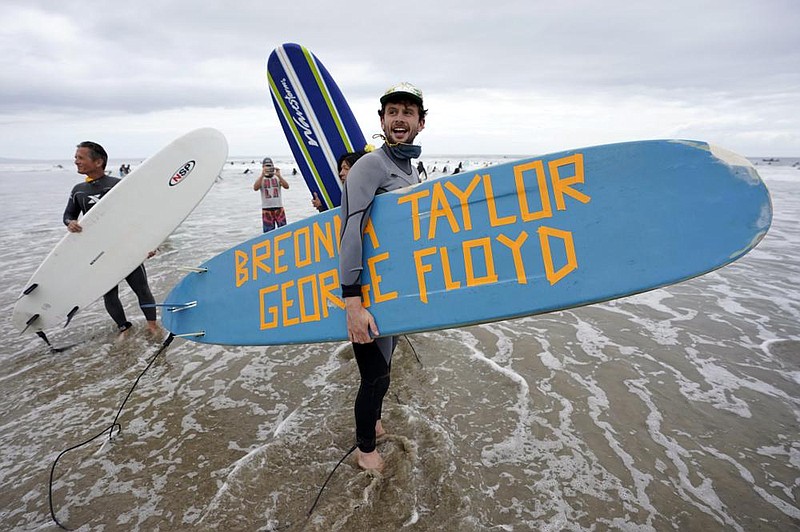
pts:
[374, 173]
[81, 199]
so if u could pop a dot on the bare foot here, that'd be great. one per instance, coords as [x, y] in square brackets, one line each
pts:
[123, 335]
[154, 328]
[371, 460]
[379, 432]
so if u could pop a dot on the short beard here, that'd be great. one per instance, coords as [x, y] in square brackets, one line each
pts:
[387, 135]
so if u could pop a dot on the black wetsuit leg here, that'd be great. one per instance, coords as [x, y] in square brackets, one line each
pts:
[115, 309]
[369, 401]
[137, 280]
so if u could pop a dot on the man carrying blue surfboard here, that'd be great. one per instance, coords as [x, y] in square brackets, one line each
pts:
[402, 116]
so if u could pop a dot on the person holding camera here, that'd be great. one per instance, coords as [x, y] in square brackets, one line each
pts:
[270, 183]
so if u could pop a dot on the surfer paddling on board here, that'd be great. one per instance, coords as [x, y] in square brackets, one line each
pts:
[90, 161]
[270, 183]
[389, 167]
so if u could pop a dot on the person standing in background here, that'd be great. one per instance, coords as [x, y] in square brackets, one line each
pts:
[90, 161]
[270, 183]
[346, 161]
[422, 172]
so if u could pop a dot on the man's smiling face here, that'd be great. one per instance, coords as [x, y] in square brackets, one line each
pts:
[85, 164]
[401, 122]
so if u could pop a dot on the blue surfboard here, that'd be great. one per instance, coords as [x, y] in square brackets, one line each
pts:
[516, 239]
[315, 117]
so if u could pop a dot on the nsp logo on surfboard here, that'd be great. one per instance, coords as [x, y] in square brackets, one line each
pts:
[181, 173]
[298, 118]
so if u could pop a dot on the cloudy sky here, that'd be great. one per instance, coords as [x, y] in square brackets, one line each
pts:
[500, 77]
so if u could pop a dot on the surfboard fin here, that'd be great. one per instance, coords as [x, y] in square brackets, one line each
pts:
[30, 322]
[193, 269]
[198, 334]
[43, 336]
[30, 289]
[71, 315]
[183, 306]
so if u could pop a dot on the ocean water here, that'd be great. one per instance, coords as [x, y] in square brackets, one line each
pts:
[677, 409]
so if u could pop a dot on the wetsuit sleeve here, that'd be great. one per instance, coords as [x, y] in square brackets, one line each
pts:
[357, 197]
[73, 209]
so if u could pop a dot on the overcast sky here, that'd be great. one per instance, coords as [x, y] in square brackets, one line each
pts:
[500, 77]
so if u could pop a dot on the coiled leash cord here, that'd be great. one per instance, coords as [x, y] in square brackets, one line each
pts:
[114, 424]
[109, 429]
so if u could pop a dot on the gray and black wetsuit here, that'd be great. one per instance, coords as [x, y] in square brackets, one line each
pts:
[82, 198]
[375, 173]
[85, 195]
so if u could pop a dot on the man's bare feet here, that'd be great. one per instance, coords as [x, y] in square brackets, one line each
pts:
[379, 429]
[154, 328]
[371, 460]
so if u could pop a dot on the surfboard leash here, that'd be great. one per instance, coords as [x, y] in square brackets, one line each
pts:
[324, 484]
[109, 429]
[297, 525]
[413, 350]
[354, 447]
[115, 424]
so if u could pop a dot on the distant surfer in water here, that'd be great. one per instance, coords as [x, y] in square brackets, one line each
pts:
[388, 168]
[270, 183]
[90, 161]
[346, 162]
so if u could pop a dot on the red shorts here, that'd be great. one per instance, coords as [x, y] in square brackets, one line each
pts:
[272, 218]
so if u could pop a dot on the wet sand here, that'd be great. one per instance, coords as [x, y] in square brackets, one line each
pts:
[674, 409]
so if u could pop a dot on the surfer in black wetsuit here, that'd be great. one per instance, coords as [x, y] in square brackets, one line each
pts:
[388, 168]
[90, 160]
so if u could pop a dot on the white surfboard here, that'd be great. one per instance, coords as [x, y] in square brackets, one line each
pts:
[132, 219]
